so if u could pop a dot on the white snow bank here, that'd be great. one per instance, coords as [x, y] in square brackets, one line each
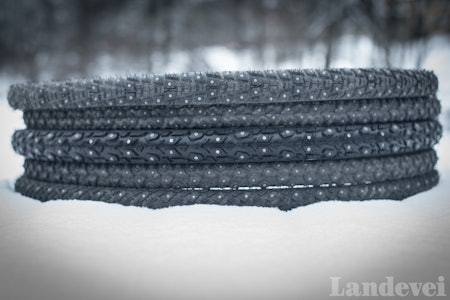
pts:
[92, 250]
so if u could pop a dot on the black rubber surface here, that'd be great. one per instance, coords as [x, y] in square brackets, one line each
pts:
[318, 113]
[225, 87]
[340, 172]
[263, 138]
[227, 145]
[284, 198]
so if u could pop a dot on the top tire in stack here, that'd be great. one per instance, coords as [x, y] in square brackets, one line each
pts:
[267, 138]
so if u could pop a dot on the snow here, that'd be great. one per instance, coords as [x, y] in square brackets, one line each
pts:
[91, 250]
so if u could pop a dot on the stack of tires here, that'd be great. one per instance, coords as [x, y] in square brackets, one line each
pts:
[266, 138]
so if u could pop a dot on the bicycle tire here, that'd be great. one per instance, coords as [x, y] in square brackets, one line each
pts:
[284, 198]
[225, 88]
[227, 145]
[340, 172]
[315, 113]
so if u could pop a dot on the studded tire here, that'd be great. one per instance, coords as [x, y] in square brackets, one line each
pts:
[264, 138]
[340, 172]
[317, 113]
[283, 198]
[225, 88]
[227, 145]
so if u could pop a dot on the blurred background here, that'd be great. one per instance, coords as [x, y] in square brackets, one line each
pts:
[56, 39]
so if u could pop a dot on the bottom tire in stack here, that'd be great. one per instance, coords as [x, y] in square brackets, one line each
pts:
[271, 138]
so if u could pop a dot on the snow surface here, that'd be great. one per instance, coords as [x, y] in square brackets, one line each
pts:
[91, 250]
